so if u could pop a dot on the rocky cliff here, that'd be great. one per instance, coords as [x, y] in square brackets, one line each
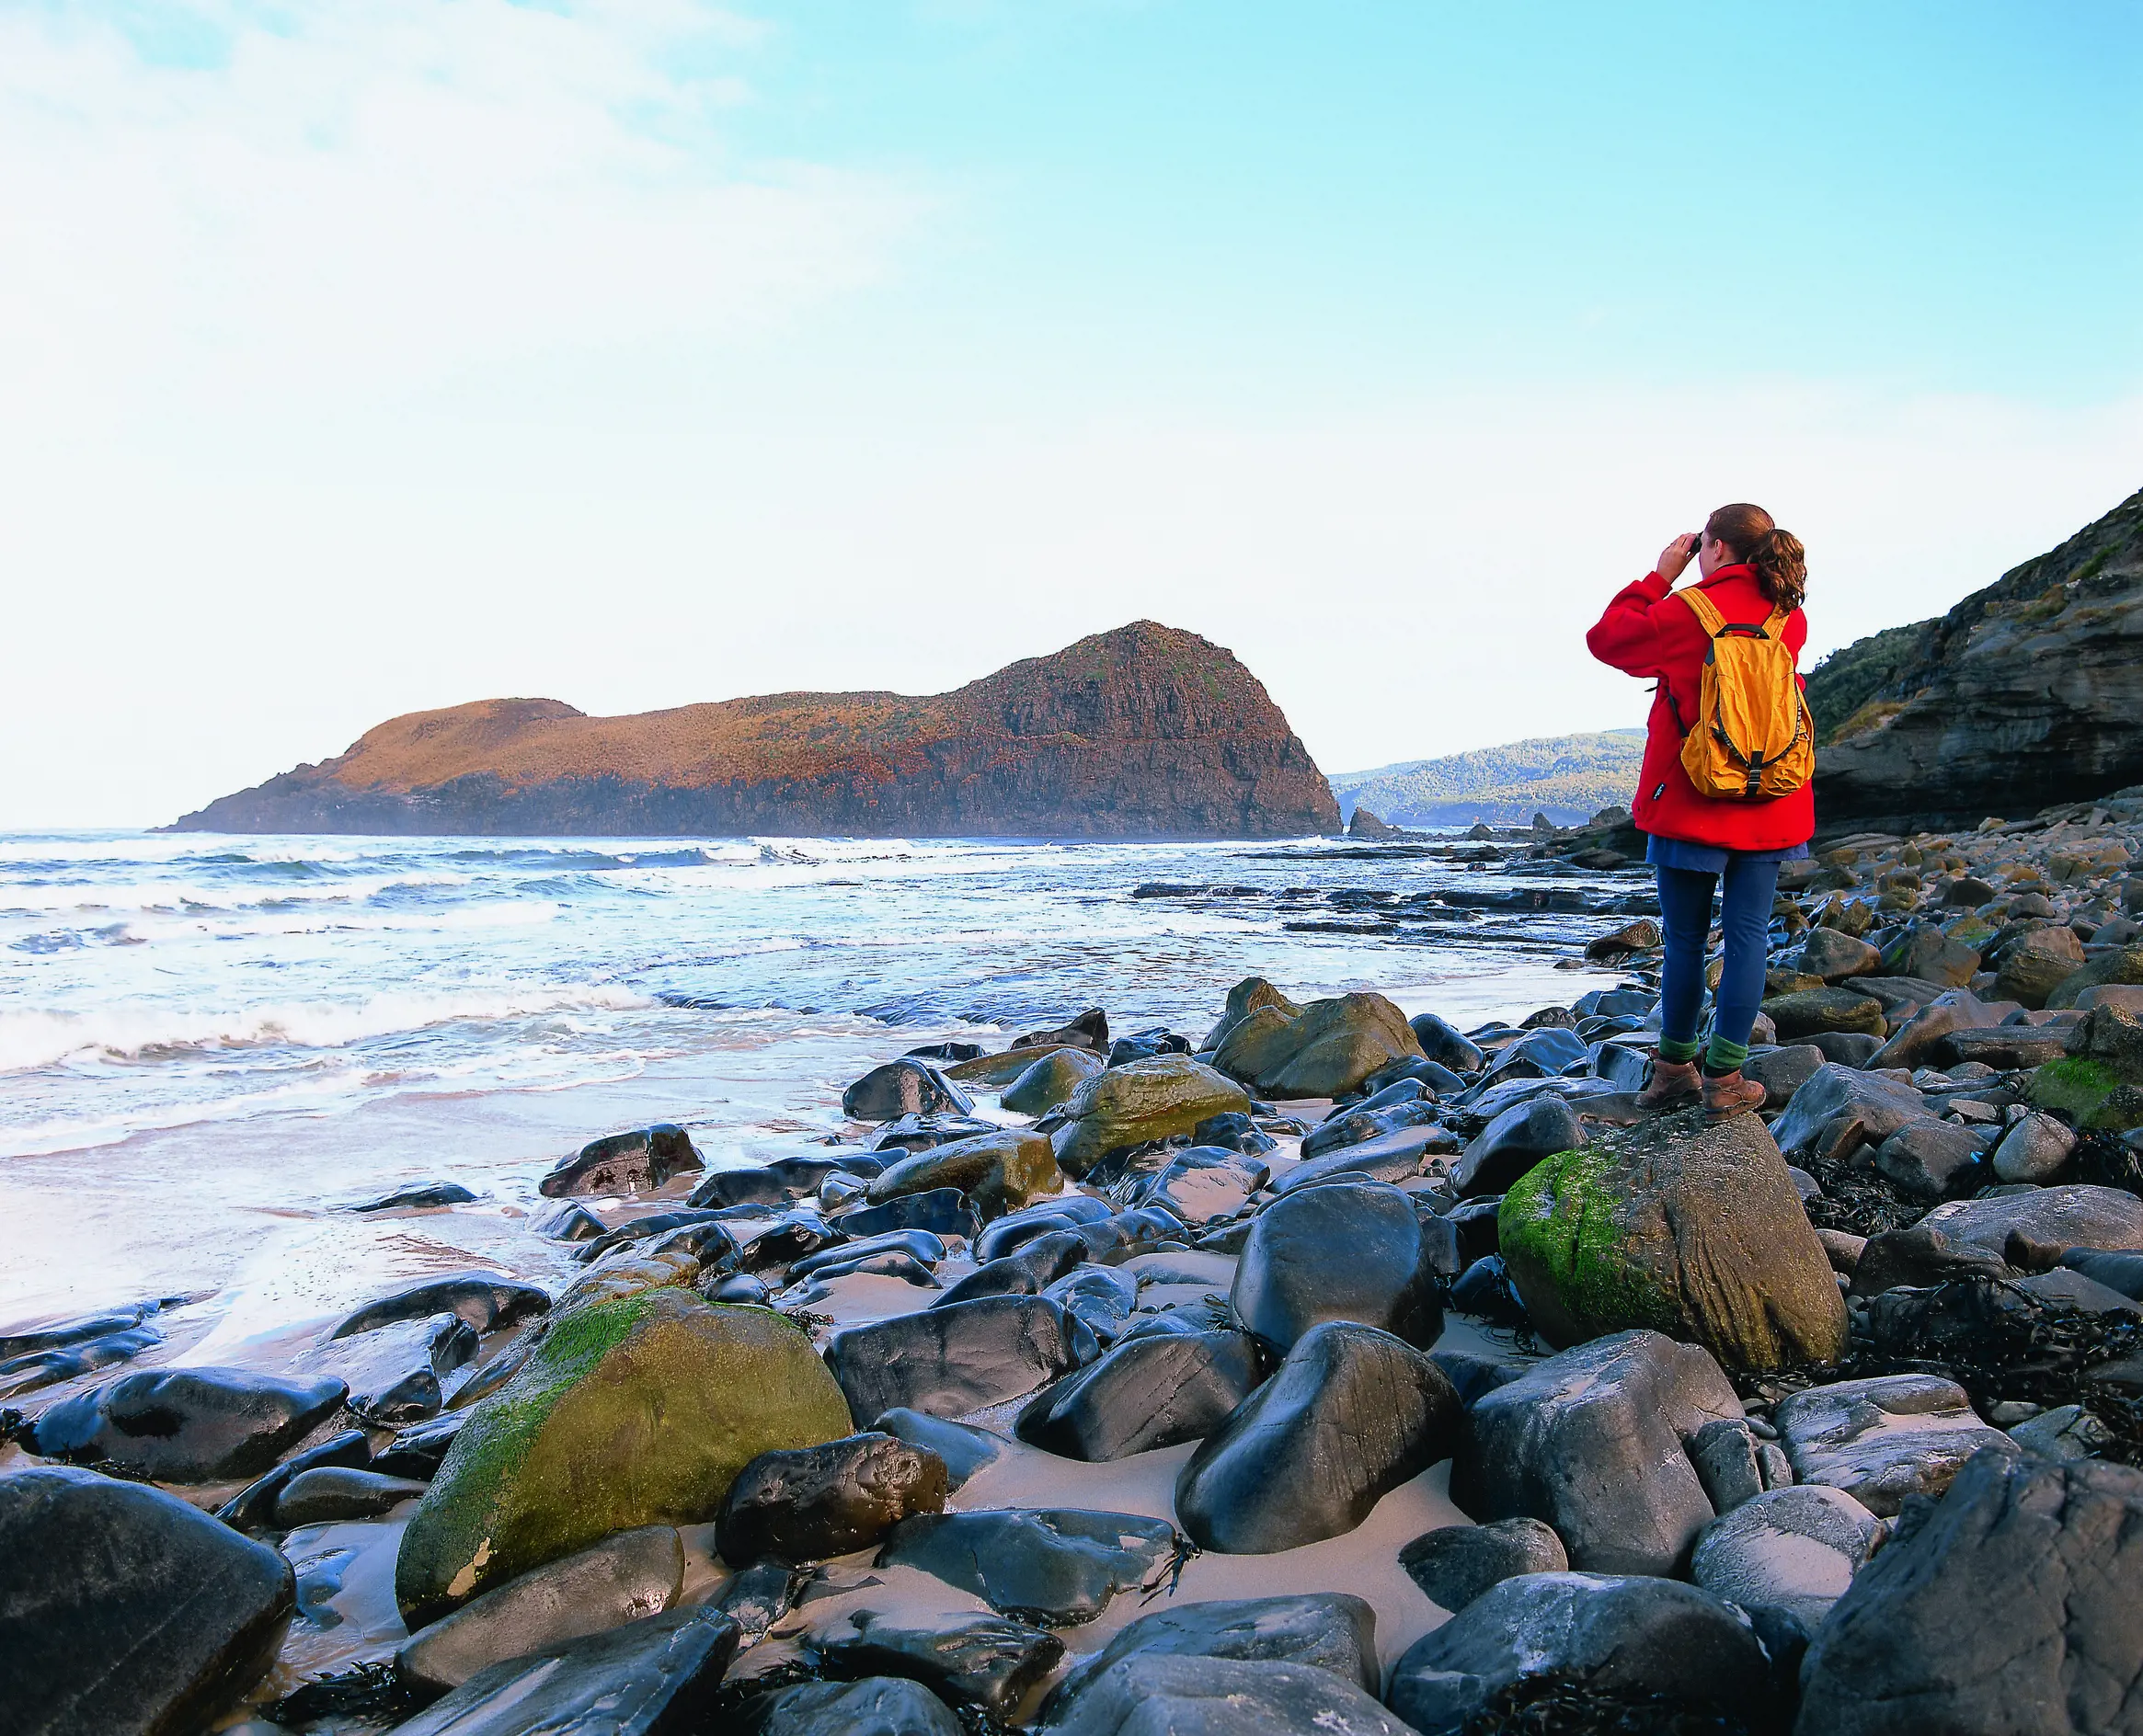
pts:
[2026, 693]
[1147, 731]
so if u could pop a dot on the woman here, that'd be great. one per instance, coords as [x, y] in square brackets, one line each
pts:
[1747, 568]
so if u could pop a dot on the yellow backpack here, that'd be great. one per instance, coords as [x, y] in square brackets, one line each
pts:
[1754, 738]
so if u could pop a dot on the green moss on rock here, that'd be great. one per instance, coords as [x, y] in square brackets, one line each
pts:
[2074, 1085]
[1560, 1219]
[634, 1411]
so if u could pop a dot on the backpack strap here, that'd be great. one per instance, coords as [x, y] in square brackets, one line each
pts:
[1705, 610]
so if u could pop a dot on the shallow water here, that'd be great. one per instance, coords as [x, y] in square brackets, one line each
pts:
[208, 1042]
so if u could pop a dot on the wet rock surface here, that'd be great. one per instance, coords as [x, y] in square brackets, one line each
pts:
[1348, 1416]
[186, 1425]
[1052, 1566]
[948, 1361]
[122, 1609]
[1591, 1442]
[1148, 1392]
[1348, 1251]
[876, 1706]
[1455, 1564]
[807, 1503]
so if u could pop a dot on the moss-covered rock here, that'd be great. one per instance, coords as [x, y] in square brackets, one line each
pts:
[2074, 1086]
[628, 1271]
[999, 1172]
[2098, 1083]
[1049, 1081]
[1138, 1102]
[630, 1412]
[1686, 1228]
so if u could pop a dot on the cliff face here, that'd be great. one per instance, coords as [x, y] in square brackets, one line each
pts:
[1144, 732]
[2027, 693]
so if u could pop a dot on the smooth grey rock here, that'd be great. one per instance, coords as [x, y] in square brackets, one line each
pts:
[759, 1596]
[1730, 1464]
[124, 1611]
[1204, 1183]
[975, 1659]
[253, 1507]
[1053, 1566]
[1931, 1159]
[648, 1678]
[1909, 1650]
[963, 1448]
[876, 1706]
[186, 1425]
[1835, 956]
[1835, 1091]
[486, 1300]
[626, 1576]
[1148, 1392]
[637, 1162]
[949, 1361]
[328, 1494]
[1102, 1296]
[1350, 1251]
[1351, 1414]
[1514, 1141]
[1147, 1694]
[1886, 1438]
[808, 1503]
[1327, 1630]
[904, 1087]
[1781, 1072]
[2035, 1149]
[2068, 1430]
[400, 1373]
[1792, 1548]
[1653, 1636]
[1454, 1564]
[1591, 1442]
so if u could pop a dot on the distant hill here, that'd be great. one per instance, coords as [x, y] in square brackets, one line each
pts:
[1144, 732]
[1568, 777]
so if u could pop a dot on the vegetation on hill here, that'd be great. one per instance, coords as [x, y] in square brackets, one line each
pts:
[1568, 777]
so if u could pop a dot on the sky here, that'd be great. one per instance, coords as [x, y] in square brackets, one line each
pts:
[364, 358]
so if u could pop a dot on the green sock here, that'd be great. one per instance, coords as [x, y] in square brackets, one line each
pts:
[1680, 1050]
[1724, 1057]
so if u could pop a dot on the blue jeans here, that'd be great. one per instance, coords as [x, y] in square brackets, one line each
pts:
[1685, 911]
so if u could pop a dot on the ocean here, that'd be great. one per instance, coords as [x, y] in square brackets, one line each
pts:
[211, 1046]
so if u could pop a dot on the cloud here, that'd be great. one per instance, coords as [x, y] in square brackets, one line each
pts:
[321, 202]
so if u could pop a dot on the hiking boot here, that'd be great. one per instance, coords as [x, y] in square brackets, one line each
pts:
[1728, 1094]
[1672, 1085]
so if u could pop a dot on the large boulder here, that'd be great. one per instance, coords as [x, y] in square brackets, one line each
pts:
[1691, 1229]
[1203, 1182]
[1348, 1251]
[1834, 957]
[999, 1172]
[1053, 1566]
[1921, 949]
[1915, 1042]
[1885, 1438]
[1328, 1048]
[1152, 1391]
[1138, 1103]
[656, 1675]
[1911, 1650]
[948, 1361]
[122, 1609]
[635, 1573]
[805, 1503]
[186, 1425]
[633, 1412]
[485, 1300]
[1640, 1635]
[1351, 1414]
[1592, 1442]
[2124, 966]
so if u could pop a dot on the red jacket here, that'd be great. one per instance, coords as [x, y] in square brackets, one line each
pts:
[1645, 632]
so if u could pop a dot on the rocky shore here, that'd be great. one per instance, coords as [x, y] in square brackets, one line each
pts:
[1323, 1370]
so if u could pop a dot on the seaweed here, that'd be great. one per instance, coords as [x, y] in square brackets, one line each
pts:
[369, 1693]
[1565, 1705]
